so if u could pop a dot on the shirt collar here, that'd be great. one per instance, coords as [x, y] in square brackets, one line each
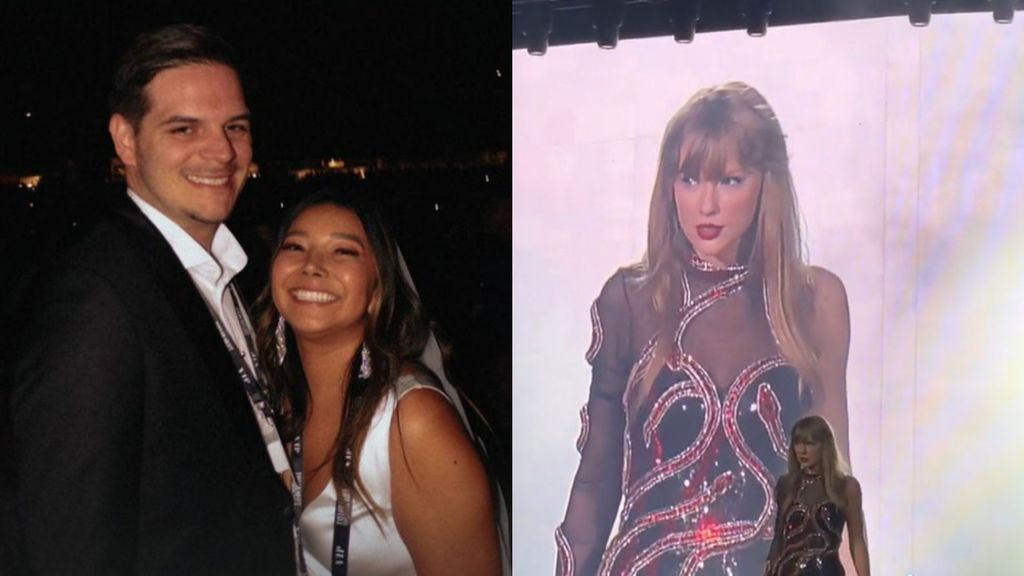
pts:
[227, 260]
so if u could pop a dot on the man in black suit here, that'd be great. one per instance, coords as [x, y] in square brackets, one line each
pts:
[140, 438]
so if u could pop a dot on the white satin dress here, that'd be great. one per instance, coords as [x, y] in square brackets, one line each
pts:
[373, 550]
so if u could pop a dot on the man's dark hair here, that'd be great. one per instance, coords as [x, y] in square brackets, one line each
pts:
[158, 50]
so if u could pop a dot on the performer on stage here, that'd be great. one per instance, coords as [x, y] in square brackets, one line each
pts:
[816, 497]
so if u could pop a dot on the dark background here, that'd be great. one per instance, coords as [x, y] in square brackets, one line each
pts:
[418, 92]
[340, 77]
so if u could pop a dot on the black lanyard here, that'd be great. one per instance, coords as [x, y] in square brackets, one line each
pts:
[342, 511]
[255, 388]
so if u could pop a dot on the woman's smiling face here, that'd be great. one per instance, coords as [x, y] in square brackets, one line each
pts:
[324, 275]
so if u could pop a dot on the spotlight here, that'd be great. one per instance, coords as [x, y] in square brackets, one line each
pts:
[683, 16]
[1002, 11]
[920, 12]
[756, 14]
[538, 17]
[607, 21]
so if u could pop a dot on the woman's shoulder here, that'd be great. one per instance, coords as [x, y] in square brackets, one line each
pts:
[425, 421]
[827, 287]
[831, 310]
[622, 288]
[849, 494]
[850, 487]
[413, 376]
[420, 398]
[783, 487]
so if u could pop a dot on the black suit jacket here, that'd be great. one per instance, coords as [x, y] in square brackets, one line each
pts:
[136, 450]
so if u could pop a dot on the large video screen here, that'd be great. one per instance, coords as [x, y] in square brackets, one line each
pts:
[906, 148]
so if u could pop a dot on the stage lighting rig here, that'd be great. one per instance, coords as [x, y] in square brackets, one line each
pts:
[756, 13]
[538, 18]
[607, 21]
[684, 15]
[920, 12]
[1002, 11]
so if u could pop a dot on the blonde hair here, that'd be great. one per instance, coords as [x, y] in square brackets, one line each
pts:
[833, 465]
[716, 121]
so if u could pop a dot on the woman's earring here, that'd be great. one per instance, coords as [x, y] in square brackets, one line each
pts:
[365, 370]
[280, 340]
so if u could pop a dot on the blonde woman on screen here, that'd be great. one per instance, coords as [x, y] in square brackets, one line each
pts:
[815, 498]
[703, 355]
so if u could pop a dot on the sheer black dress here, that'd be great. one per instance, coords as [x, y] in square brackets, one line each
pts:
[694, 464]
[808, 532]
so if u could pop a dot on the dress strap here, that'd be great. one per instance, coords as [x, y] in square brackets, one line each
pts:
[408, 382]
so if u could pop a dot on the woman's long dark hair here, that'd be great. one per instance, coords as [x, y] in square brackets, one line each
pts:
[396, 333]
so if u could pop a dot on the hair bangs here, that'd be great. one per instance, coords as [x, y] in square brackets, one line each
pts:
[707, 151]
[811, 429]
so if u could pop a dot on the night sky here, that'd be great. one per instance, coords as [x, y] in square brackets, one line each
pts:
[337, 78]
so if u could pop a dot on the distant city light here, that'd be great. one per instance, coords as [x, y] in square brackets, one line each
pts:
[365, 168]
[498, 72]
[302, 173]
[28, 114]
[436, 207]
[30, 182]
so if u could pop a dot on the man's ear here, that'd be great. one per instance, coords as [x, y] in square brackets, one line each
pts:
[123, 134]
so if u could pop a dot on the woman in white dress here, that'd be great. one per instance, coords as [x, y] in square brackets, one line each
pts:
[386, 480]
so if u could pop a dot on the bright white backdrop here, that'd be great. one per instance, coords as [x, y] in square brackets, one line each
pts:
[907, 149]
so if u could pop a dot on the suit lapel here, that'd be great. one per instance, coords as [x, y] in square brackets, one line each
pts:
[191, 310]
